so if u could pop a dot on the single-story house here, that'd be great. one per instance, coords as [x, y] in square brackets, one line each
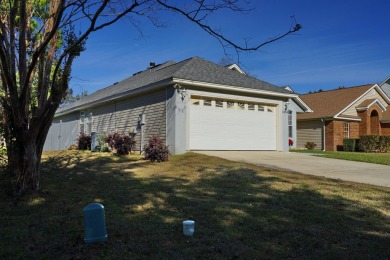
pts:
[193, 105]
[343, 113]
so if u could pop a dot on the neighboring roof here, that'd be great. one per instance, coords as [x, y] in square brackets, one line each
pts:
[385, 86]
[366, 104]
[327, 104]
[193, 70]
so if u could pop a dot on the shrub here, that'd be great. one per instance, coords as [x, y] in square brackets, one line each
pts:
[384, 144]
[84, 142]
[310, 145]
[350, 144]
[156, 150]
[374, 143]
[122, 143]
[369, 143]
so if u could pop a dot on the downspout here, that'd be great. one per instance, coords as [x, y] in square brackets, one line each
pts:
[115, 116]
[323, 135]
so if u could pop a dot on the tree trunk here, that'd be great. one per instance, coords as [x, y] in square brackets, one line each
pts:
[24, 154]
[24, 164]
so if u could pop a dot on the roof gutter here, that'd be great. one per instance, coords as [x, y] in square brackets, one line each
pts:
[347, 118]
[323, 135]
[169, 81]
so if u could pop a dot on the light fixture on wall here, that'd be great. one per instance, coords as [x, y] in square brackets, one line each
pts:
[286, 106]
[181, 91]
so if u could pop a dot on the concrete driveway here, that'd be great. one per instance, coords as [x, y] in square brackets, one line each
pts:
[368, 173]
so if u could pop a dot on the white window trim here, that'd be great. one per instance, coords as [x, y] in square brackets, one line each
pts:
[235, 104]
[290, 124]
[346, 130]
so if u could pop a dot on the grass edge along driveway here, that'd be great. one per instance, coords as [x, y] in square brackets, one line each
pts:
[240, 210]
[377, 158]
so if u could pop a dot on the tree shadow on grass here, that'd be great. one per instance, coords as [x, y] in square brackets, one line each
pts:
[240, 212]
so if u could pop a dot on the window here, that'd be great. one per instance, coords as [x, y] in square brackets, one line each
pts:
[270, 109]
[195, 101]
[346, 129]
[207, 103]
[251, 107]
[260, 108]
[82, 120]
[86, 122]
[241, 106]
[88, 129]
[89, 116]
[230, 104]
[290, 124]
[82, 117]
[218, 103]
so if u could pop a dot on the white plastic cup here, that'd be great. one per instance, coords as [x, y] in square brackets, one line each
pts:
[188, 227]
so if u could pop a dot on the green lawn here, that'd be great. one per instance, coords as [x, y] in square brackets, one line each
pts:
[378, 158]
[241, 211]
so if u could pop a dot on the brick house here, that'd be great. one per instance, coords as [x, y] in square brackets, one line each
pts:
[343, 113]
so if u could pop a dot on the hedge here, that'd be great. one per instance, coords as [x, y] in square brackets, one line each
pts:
[384, 144]
[374, 143]
[350, 144]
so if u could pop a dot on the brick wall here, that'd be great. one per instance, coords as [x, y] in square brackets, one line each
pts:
[385, 128]
[369, 126]
[338, 135]
[366, 126]
[329, 143]
[334, 134]
[364, 123]
[354, 129]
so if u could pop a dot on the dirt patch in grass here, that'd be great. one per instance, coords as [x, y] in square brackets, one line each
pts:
[240, 210]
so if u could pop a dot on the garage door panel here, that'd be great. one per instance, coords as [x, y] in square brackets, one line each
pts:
[228, 129]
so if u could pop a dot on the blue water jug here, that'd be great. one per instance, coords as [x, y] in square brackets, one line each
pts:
[94, 223]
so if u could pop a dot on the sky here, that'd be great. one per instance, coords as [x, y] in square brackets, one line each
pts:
[341, 43]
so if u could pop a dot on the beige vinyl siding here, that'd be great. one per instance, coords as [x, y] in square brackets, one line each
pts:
[103, 119]
[122, 116]
[118, 116]
[309, 131]
[372, 94]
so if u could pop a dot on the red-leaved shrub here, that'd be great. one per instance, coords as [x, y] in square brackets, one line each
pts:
[156, 150]
[122, 143]
[84, 142]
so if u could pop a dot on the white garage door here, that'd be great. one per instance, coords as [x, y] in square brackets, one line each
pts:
[231, 125]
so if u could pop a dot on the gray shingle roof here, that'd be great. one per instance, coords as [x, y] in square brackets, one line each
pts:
[194, 69]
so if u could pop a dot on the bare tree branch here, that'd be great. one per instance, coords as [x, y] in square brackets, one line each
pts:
[219, 36]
